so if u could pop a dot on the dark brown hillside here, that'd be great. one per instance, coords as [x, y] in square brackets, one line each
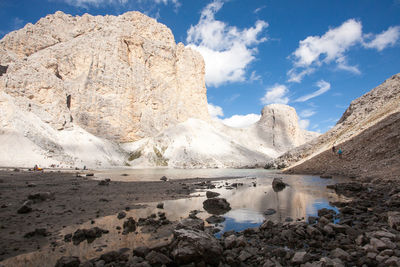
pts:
[375, 152]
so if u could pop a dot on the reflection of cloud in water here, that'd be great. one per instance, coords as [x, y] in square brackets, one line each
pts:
[245, 216]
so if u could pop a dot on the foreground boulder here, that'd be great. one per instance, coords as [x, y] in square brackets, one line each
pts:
[195, 246]
[216, 206]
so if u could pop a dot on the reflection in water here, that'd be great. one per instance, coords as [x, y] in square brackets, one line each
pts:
[302, 198]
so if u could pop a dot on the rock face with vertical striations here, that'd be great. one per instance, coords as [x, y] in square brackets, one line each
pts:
[107, 90]
[121, 78]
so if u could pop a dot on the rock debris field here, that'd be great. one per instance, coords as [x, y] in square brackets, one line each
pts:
[366, 231]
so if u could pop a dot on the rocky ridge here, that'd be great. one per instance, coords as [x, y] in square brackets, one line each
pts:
[367, 133]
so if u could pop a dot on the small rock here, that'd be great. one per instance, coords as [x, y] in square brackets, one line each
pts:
[215, 219]
[37, 232]
[156, 258]
[104, 182]
[312, 219]
[110, 256]
[392, 261]
[340, 253]
[164, 178]
[299, 257]
[121, 215]
[68, 261]
[129, 226]
[25, 208]
[269, 212]
[141, 251]
[191, 223]
[89, 174]
[211, 194]
[160, 205]
[43, 196]
[378, 244]
[394, 219]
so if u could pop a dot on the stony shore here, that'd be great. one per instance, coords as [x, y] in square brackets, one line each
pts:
[35, 206]
[366, 232]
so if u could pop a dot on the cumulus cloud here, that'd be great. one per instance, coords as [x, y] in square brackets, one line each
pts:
[227, 50]
[330, 46]
[323, 88]
[315, 51]
[237, 121]
[276, 95]
[241, 121]
[215, 111]
[384, 39]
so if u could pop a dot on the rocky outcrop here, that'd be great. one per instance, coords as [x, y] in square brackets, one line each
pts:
[367, 133]
[122, 78]
[196, 143]
[279, 127]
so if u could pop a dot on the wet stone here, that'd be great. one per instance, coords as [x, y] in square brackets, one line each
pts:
[211, 194]
[269, 212]
[215, 219]
[129, 226]
[216, 206]
[121, 215]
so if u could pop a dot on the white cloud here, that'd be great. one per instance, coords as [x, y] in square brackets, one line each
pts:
[304, 124]
[307, 113]
[257, 10]
[227, 51]
[241, 121]
[384, 39]
[295, 76]
[317, 50]
[215, 111]
[331, 45]
[323, 87]
[254, 77]
[342, 65]
[237, 121]
[276, 95]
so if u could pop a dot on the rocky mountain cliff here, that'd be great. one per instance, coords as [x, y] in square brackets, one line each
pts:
[121, 78]
[196, 143]
[107, 90]
[368, 133]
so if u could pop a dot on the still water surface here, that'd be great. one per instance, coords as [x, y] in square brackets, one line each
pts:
[302, 198]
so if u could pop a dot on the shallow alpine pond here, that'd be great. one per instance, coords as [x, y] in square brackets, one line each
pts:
[252, 200]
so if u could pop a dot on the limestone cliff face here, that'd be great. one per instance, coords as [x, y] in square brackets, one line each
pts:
[122, 78]
[279, 126]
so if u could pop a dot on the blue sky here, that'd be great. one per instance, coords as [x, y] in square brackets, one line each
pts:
[316, 56]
